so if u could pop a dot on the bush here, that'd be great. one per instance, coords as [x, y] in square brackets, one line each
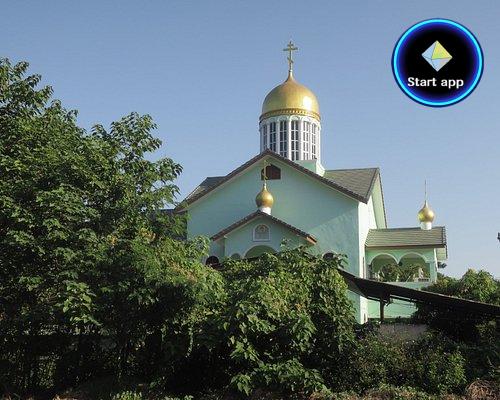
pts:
[464, 326]
[431, 363]
[287, 322]
[437, 369]
[375, 360]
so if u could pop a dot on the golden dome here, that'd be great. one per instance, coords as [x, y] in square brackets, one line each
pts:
[264, 198]
[290, 98]
[426, 214]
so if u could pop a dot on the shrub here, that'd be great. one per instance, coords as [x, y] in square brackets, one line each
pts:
[377, 360]
[287, 322]
[127, 395]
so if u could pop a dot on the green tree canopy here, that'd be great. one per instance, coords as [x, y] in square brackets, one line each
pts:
[87, 256]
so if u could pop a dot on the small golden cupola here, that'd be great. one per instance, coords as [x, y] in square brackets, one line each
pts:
[264, 200]
[290, 121]
[426, 216]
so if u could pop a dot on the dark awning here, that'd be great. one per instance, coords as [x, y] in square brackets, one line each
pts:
[385, 292]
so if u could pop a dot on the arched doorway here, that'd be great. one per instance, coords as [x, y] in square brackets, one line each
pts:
[259, 250]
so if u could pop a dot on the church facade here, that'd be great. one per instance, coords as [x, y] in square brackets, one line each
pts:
[285, 195]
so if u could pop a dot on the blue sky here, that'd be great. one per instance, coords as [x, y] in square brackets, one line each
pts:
[202, 69]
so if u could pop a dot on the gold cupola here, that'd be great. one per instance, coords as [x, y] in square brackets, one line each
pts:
[426, 214]
[290, 98]
[264, 200]
[290, 123]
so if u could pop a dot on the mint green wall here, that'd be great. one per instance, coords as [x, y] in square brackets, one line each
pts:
[398, 308]
[378, 204]
[241, 240]
[367, 221]
[328, 215]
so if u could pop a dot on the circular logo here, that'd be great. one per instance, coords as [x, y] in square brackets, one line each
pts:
[437, 62]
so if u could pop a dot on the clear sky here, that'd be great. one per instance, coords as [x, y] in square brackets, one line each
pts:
[202, 70]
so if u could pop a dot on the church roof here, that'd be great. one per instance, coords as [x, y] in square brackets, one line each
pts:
[355, 183]
[406, 237]
[359, 181]
[258, 214]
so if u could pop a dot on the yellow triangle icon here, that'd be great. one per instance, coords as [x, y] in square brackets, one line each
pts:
[440, 52]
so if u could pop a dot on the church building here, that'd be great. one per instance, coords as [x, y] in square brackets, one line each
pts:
[285, 195]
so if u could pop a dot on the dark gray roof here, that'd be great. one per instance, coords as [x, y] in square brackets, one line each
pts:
[406, 237]
[259, 213]
[357, 183]
[209, 182]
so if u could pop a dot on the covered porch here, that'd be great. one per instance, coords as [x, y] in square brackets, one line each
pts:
[406, 257]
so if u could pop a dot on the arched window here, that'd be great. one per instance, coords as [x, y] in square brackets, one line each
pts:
[306, 140]
[236, 256]
[272, 172]
[212, 261]
[264, 137]
[295, 140]
[272, 136]
[283, 138]
[261, 233]
[313, 142]
[328, 256]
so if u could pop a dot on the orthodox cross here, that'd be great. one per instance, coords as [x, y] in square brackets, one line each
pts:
[290, 47]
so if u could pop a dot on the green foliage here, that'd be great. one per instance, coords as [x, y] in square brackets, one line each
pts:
[127, 395]
[431, 363]
[94, 283]
[477, 337]
[438, 366]
[398, 273]
[288, 318]
[389, 392]
[92, 280]
[131, 395]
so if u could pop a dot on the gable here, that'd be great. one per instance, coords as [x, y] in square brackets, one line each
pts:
[267, 219]
[355, 183]
[299, 200]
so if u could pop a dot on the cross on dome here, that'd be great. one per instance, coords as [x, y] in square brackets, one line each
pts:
[290, 47]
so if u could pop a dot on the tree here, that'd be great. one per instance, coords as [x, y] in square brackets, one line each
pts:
[476, 336]
[474, 285]
[90, 273]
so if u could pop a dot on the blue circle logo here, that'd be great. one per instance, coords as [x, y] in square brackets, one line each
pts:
[437, 62]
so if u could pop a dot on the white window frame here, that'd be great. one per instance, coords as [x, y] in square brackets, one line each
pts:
[272, 136]
[283, 136]
[313, 141]
[306, 140]
[294, 127]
